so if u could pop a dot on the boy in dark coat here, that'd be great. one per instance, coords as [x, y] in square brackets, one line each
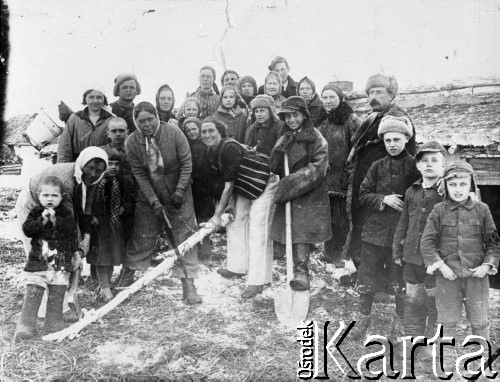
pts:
[381, 193]
[420, 312]
[113, 201]
[51, 228]
[461, 241]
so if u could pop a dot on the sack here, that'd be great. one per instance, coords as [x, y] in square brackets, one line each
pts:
[253, 172]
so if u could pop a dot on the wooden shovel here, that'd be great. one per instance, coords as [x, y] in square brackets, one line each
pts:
[291, 306]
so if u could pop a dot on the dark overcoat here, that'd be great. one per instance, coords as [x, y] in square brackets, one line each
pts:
[304, 187]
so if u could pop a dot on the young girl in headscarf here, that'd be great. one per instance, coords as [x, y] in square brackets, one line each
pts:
[191, 107]
[273, 87]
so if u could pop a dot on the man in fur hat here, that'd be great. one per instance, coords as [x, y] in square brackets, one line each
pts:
[368, 148]
[126, 88]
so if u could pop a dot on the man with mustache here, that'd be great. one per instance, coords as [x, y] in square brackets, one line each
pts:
[367, 148]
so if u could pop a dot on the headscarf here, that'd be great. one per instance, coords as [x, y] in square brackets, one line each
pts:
[153, 154]
[182, 110]
[271, 74]
[310, 82]
[86, 155]
[194, 120]
[164, 115]
[251, 81]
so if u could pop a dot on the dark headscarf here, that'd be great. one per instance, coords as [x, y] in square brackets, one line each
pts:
[165, 116]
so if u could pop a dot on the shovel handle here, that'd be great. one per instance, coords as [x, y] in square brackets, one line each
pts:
[288, 231]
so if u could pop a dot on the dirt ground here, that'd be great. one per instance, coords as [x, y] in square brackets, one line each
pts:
[153, 336]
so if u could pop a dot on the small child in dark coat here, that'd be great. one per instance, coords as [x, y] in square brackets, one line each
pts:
[51, 228]
[381, 192]
[461, 241]
[420, 312]
[112, 202]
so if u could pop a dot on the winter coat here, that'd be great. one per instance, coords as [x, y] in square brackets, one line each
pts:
[367, 148]
[339, 132]
[418, 204]
[60, 237]
[125, 112]
[317, 110]
[263, 138]
[389, 175]
[304, 187]
[290, 90]
[177, 166]
[464, 236]
[236, 121]
[80, 133]
[209, 102]
[106, 245]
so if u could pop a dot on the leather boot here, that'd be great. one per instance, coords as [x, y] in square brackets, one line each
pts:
[54, 315]
[27, 321]
[189, 294]
[362, 325]
[300, 281]
[251, 291]
[126, 278]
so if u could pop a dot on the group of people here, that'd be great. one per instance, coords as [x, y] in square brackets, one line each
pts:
[406, 217]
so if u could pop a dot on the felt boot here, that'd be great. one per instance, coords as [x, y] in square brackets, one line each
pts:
[251, 291]
[27, 321]
[126, 278]
[189, 294]
[54, 315]
[359, 330]
[300, 281]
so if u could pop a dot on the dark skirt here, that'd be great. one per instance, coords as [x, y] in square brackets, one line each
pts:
[106, 246]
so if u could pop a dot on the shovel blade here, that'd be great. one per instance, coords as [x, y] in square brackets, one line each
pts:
[291, 306]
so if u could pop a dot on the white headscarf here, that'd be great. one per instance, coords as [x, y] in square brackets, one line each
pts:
[87, 154]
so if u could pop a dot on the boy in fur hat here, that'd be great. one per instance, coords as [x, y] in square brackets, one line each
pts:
[381, 194]
[420, 313]
[461, 241]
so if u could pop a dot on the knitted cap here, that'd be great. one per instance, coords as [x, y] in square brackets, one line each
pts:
[392, 124]
[458, 169]
[275, 61]
[294, 103]
[430, 147]
[121, 78]
[381, 80]
[264, 101]
[335, 88]
[309, 81]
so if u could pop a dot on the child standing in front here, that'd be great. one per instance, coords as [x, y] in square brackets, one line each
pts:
[113, 201]
[461, 241]
[381, 193]
[52, 230]
[420, 312]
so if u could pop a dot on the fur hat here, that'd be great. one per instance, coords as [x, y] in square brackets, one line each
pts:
[276, 60]
[392, 124]
[336, 89]
[381, 80]
[294, 103]
[430, 147]
[121, 78]
[265, 101]
[309, 81]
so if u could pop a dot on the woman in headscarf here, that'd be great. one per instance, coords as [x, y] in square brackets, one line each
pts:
[165, 101]
[338, 127]
[249, 246]
[204, 179]
[85, 128]
[191, 107]
[79, 179]
[307, 90]
[273, 87]
[230, 113]
[304, 187]
[160, 160]
[247, 89]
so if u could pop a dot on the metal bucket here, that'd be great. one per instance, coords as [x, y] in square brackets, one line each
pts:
[42, 130]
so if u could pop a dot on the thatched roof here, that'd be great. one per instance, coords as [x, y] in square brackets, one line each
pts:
[452, 118]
